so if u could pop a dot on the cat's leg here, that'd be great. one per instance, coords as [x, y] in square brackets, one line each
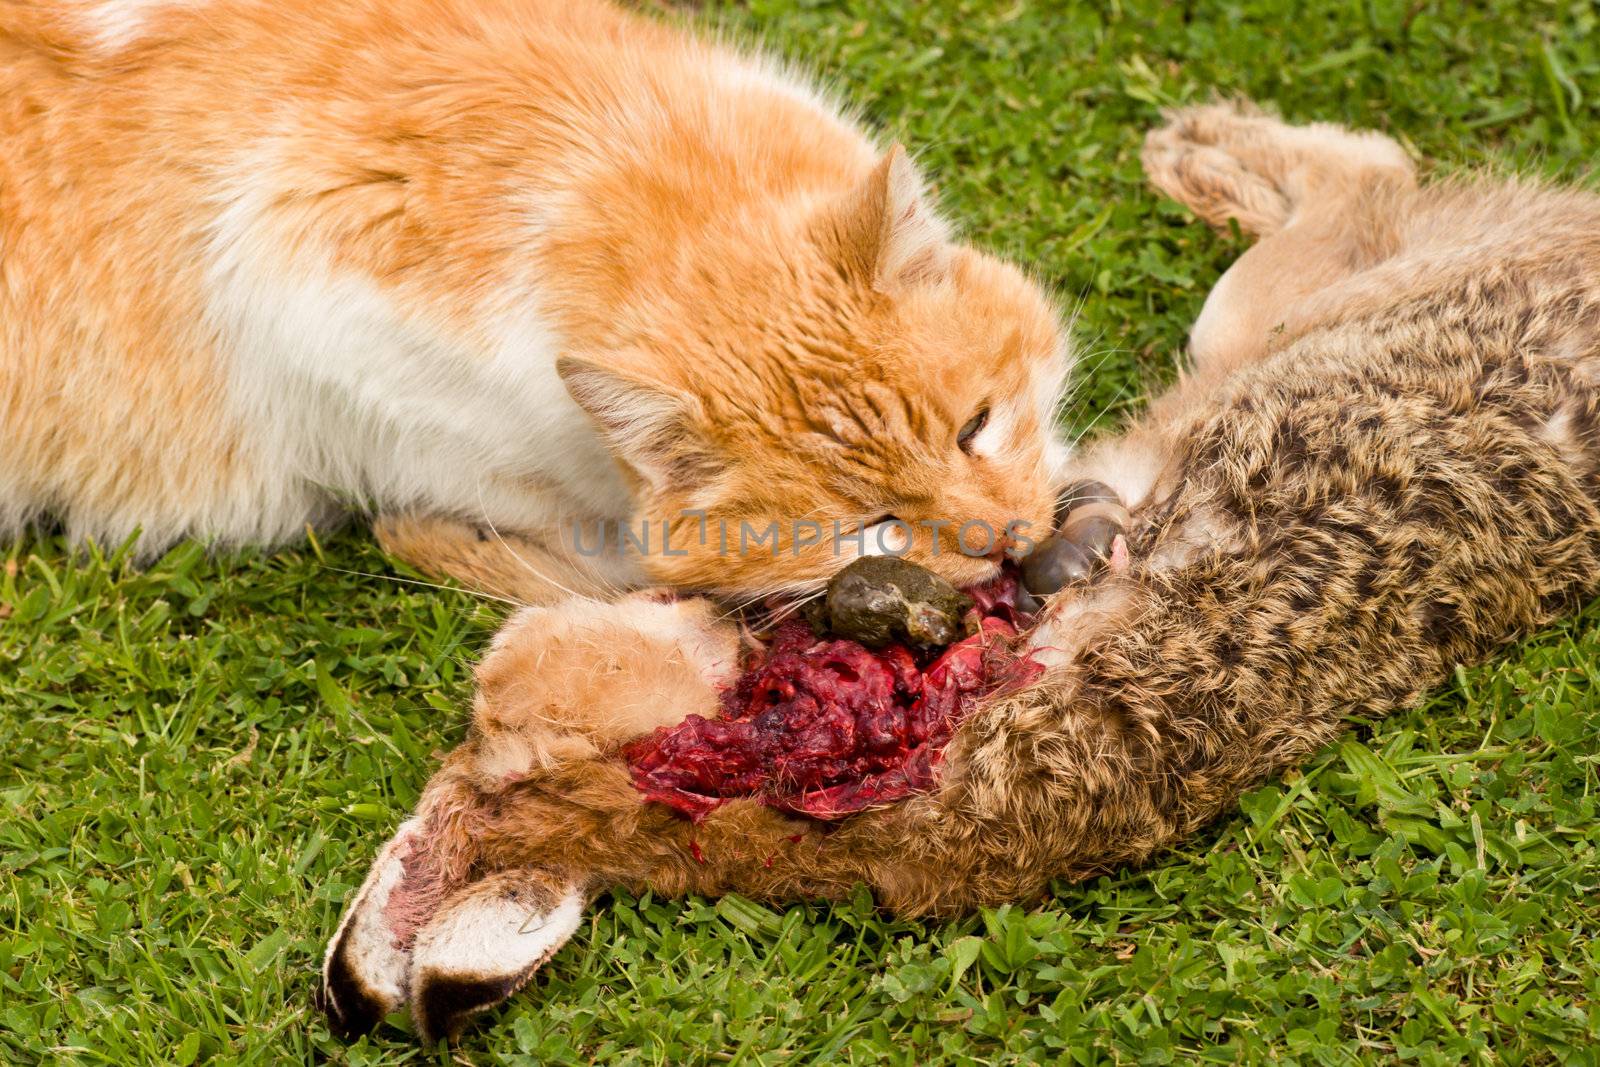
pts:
[517, 566]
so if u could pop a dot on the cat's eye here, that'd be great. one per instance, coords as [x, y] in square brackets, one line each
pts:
[971, 428]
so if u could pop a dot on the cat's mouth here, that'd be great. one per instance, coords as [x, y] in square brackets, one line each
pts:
[849, 702]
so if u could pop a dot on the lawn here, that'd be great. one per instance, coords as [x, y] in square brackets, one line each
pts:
[202, 756]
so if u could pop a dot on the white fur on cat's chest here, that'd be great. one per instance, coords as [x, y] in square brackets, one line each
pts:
[347, 394]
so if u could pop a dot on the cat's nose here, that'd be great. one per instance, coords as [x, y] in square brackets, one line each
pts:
[1004, 546]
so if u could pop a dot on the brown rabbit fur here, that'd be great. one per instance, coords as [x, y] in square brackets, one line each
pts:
[1386, 461]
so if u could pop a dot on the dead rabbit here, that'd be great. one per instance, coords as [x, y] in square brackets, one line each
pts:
[1384, 461]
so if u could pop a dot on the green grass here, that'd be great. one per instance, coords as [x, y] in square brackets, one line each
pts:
[201, 757]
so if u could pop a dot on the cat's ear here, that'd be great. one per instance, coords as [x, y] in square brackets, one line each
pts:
[888, 233]
[654, 429]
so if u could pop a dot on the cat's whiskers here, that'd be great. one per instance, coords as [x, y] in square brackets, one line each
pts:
[1071, 390]
[1116, 399]
[1081, 377]
[477, 593]
[799, 593]
[1088, 429]
[526, 564]
[788, 611]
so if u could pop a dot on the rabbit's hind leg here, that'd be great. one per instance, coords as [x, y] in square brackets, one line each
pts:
[1327, 203]
[1233, 161]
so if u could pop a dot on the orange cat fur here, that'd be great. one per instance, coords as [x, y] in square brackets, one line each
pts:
[527, 265]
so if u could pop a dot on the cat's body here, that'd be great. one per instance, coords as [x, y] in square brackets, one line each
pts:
[261, 261]
[1386, 462]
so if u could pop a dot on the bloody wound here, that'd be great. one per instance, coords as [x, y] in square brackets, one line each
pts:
[825, 727]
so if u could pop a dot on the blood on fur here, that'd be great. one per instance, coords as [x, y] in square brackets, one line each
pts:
[824, 726]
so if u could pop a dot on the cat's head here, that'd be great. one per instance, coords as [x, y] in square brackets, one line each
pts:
[847, 368]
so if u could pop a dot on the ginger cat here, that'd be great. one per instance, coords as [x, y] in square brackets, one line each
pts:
[490, 267]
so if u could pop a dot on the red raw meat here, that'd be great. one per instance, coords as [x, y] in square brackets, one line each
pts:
[825, 727]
